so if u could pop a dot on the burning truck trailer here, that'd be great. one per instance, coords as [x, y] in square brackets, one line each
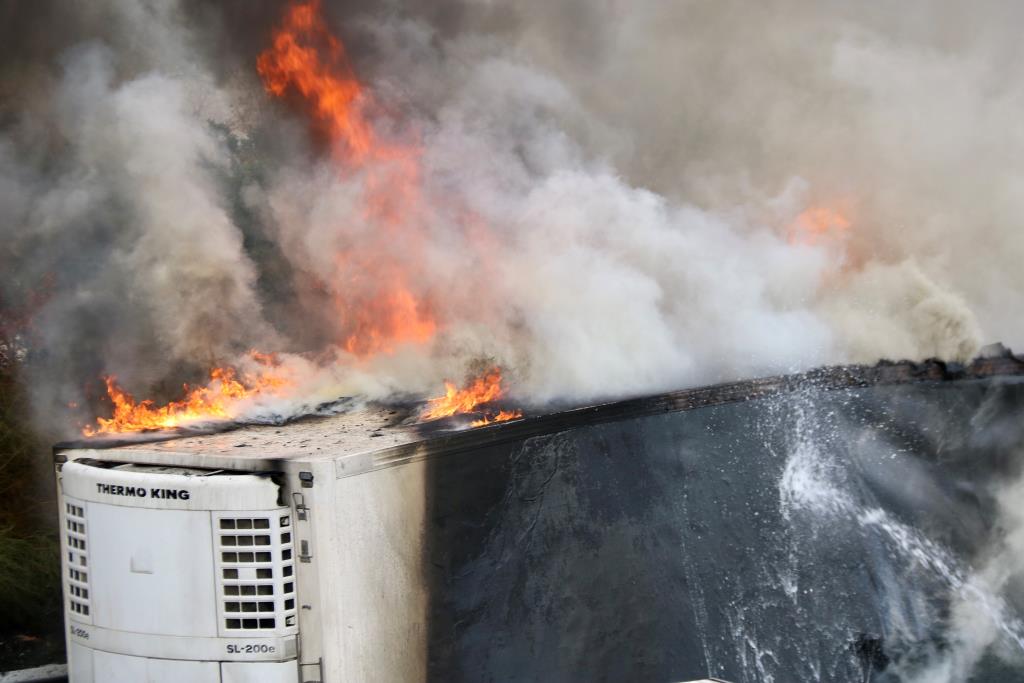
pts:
[820, 526]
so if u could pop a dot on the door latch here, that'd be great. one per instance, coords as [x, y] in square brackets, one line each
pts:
[301, 511]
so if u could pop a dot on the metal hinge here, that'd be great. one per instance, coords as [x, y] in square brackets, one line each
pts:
[304, 554]
[318, 675]
[301, 511]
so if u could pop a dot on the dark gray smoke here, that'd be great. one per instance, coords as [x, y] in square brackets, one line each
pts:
[610, 196]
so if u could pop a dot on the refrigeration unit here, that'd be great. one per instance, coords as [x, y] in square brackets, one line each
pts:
[177, 574]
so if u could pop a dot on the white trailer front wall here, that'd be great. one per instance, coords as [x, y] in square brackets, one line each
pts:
[356, 487]
[369, 549]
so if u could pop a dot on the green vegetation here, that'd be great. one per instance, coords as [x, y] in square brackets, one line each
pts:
[29, 580]
[30, 597]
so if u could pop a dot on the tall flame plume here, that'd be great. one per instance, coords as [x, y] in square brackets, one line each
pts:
[378, 306]
[376, 301]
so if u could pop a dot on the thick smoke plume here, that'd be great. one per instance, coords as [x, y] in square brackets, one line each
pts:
[609, 198]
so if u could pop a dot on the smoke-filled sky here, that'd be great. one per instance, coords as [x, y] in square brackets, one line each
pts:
[603, 198]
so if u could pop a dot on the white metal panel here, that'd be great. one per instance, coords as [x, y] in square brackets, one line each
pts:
[368, 543]
[79, 663]
[167, 488]
[152, 570]
[180, 647]
[113, 668]
[259, 672]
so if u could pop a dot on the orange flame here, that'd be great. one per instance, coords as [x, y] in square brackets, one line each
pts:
[217, 400]
[295, 61]
[502, 416]
[378, 308]
[818, 224]
[482, 390]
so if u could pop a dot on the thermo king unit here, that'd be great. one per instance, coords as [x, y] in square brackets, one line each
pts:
[177, 574]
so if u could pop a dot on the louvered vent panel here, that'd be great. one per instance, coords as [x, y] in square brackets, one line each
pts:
[256, 566]
[76, 546]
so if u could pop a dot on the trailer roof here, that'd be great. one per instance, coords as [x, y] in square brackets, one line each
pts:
[359, 429]
[388, 434]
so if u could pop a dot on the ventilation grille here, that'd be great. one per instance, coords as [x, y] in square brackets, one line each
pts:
[76, 547]
[257, 573]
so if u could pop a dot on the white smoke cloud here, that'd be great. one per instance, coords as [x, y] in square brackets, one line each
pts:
[628, 253]
[128, 216]
[907, 115]
[606, 196]
[180, 248]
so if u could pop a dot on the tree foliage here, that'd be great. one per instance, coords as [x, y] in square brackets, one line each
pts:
[29, 556]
